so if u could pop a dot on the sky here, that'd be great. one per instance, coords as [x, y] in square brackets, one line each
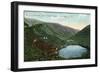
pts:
[73, 20]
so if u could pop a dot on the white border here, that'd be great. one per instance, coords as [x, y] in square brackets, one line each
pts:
[22, 64]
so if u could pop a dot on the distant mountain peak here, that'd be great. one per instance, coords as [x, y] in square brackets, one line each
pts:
[51, 27]
[32, 21]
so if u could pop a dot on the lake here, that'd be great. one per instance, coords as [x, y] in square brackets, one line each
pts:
[72, 51]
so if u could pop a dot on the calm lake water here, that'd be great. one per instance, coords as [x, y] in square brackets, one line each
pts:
[72, 51]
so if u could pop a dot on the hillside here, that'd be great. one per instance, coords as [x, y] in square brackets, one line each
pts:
[53, 34]
[82, 37]
[51, 28]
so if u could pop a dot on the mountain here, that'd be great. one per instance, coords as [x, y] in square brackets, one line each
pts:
[31, 21]
[42, 37]
[52, 28]
[82, 37]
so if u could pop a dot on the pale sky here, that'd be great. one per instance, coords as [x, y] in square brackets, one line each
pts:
[73, 20]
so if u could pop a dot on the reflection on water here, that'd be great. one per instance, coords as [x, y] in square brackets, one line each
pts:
[72, 51]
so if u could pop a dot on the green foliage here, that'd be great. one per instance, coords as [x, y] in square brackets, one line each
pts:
[83, 37]
[31, 53]
[54, 36]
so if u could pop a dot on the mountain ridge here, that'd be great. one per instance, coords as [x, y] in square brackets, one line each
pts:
[83, 37]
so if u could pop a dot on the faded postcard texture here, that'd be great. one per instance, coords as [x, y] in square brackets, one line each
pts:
[56, 36]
